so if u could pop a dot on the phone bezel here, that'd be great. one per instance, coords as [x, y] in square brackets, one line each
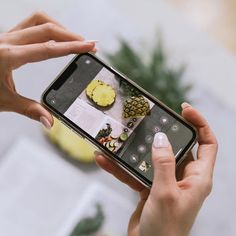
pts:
[85, 135]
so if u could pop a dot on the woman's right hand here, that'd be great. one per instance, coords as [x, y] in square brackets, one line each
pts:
[171, 206]
[37, 38]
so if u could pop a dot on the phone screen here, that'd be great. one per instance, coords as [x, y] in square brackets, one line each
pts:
[121, 118]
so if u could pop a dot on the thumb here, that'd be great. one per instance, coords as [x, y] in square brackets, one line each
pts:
[164, 163]
[32, 109]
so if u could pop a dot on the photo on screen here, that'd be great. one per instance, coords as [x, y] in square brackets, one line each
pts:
[109, 110]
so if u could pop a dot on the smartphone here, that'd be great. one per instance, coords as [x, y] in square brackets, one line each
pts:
[115, 114]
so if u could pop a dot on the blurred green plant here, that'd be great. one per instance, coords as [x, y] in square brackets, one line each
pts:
[90, 225]
[155, 75]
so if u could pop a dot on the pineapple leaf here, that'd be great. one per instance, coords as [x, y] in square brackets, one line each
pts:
[90, 225]
[155, 76]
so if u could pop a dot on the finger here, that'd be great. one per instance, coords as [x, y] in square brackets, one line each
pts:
[31, 109]
[39, 34]
[119, 173]
[164, 164]
[36, 18]
[20, 55]
[207, 141]
[9, 83]
[134, 222]
[206, 136]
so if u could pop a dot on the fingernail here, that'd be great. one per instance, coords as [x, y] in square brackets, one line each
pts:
[91, 41]
[185, 105]
[45, 122]
[160, 140]
[51, 43]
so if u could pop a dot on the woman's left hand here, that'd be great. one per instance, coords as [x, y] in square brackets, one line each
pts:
[35, 39]
[172, 204]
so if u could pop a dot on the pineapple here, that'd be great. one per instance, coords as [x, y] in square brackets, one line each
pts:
[72, 144]
[136, 107]
[103, 95]
[92, 85]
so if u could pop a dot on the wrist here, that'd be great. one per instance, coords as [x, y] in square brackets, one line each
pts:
[170, 231]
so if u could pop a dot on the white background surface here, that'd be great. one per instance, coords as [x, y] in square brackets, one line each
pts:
[45, 195]
[210, 68]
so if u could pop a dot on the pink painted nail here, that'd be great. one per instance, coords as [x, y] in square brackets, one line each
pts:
[160, 140]
[45, 122]
[91, 41]
[185, 105]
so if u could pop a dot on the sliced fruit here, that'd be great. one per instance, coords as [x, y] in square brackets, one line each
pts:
[113, 143]
[112, 149]
[91, 86]
[103, 95]
[106, 145]
[123, 137]
[109, 147]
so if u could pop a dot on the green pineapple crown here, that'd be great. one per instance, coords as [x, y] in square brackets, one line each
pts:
[155, 76]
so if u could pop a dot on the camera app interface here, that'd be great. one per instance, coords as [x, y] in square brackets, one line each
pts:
[116, 114]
